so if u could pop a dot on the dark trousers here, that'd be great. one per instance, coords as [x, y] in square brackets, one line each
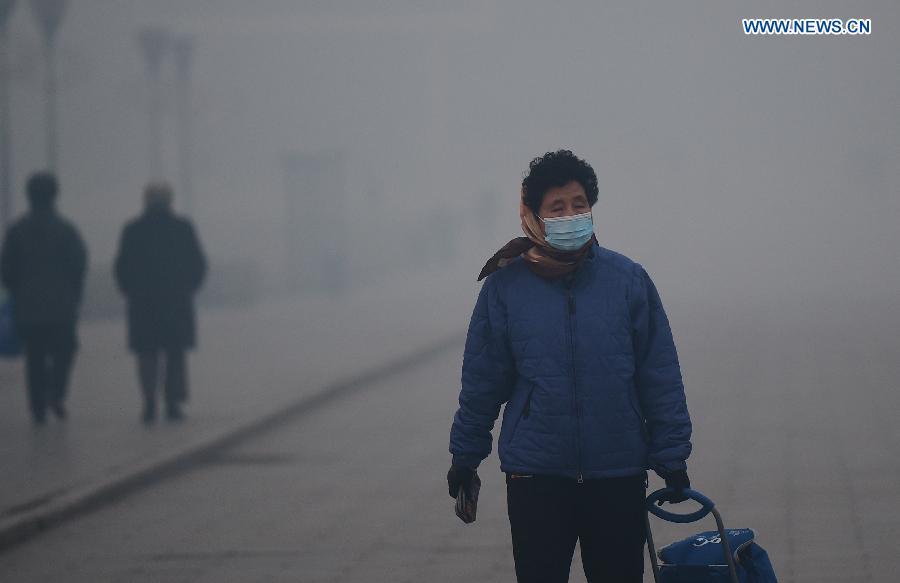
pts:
[548, 514]
[175, 370]
[49, 354]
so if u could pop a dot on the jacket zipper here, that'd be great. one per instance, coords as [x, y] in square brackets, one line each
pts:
[571, 306]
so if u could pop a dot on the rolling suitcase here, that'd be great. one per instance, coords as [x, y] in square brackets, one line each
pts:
[699, 558]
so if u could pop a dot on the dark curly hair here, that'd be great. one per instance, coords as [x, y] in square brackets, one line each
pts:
[555, 169]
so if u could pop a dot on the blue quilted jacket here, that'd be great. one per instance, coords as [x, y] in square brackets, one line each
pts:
[586, 366]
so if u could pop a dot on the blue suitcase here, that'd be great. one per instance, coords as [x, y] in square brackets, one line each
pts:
[699, 558]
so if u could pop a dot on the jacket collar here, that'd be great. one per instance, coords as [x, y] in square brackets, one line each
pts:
[571, 279]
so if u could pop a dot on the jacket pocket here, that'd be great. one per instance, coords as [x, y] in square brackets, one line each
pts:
[526, 410]
[639, 417]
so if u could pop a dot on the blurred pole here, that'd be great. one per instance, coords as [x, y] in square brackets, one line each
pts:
[440, 83]
[183, 47]
[153, 42]
[50, 103]
[49, 15]
[6, 7]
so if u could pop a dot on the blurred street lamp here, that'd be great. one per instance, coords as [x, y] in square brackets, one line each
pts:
[6, 7]
[154, 41]
[183, 49]
[49, 15]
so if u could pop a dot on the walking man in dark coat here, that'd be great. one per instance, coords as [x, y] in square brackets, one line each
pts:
[43, 265]
[159, 268]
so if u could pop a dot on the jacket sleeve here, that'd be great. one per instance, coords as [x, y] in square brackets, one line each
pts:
[658, 378]
[197, 266]
[488, 375]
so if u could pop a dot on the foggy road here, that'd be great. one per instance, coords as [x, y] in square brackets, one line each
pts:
[794, 436]
[251, 363]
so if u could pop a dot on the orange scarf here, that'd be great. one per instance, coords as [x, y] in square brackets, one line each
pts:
[542, 259]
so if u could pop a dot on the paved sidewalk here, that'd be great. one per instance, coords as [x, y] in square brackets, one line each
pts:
[794, 436]
[250, 365]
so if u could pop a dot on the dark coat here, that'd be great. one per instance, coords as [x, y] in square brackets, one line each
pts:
[587, 368]
[159, 268]
[43, 264]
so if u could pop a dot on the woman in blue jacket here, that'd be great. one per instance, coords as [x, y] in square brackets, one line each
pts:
[573, 338]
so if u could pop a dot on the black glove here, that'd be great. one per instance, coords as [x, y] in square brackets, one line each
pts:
[678, 481]
[459, 476]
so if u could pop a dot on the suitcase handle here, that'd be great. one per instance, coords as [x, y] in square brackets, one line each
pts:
[706, 503]
[707, 507]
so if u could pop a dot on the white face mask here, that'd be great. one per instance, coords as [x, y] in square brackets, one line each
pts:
[569, 233]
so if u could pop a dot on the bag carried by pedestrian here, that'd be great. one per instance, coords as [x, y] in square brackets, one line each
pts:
[698, 558]
[10, 345]
[717, 556]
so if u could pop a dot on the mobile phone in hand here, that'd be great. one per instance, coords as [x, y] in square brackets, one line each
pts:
[467, 502]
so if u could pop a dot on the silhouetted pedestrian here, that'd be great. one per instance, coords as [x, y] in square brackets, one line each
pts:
[159, 268]
[43, 265]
